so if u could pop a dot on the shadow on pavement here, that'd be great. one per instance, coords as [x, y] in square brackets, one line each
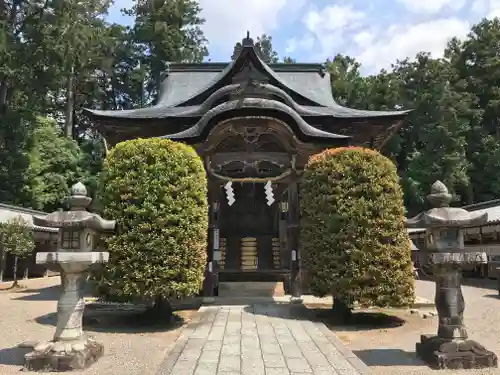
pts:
[240, 301]
[480, 282]
[365, 320]
[122, 322]
[13, 356]
[476, 282]
[494, 296]
[362, 320]
[49, 293]
[388, 357]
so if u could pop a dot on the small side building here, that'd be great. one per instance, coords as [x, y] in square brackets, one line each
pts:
[45, 240]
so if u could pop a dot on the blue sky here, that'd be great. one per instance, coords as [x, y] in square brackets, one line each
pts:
[376, 32]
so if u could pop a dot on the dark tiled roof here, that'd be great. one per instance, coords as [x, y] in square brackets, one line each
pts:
[161, 111]
[482, 205]
[342, 112]
[305, 128]
[185, 82]
[150, 112]
[177, 87]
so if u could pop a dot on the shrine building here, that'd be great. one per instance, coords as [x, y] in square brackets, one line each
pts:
[255, 125]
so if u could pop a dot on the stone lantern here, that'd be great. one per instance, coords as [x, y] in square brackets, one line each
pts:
[79, 231]
[444, 226]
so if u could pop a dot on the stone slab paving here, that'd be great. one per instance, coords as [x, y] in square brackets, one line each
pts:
[262, 339]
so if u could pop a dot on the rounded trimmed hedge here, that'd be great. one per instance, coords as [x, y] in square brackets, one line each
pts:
[354, 243]
[156, 190]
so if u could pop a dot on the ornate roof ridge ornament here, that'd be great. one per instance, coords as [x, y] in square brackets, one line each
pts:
[247, 42]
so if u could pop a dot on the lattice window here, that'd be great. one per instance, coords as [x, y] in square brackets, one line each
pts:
[71, 239]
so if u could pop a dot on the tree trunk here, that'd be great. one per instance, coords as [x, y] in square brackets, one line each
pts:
[70, 103]
[15, 283]
[3, 97]
[162, 310]
[26, 271]
[11, 26]
[342, 309]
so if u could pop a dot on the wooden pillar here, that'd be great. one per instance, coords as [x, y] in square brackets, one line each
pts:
[282, 227]
[210, 271]
[216, 237]
[293, 236]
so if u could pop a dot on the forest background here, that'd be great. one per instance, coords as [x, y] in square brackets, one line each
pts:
[58, 57]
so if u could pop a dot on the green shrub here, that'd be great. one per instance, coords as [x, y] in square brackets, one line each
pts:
[156, 190]
[353, 239]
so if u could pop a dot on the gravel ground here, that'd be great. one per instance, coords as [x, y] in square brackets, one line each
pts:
[391, 351]
[27, 314]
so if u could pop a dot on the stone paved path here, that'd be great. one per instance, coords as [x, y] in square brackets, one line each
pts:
[258, 340]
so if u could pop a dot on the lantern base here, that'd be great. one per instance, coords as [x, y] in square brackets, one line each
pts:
[442, 354]
[63, 355]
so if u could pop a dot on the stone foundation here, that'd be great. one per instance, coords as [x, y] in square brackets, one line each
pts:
[63, 355]
[443, 354]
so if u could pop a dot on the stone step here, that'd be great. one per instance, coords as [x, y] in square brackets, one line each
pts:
[251, 289]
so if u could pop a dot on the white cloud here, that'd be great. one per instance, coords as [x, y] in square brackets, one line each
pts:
[364, 38]
[329, 24]
[432, 6]
[487, 8]
[332, 18]
[376, 45]
[324, 32]
[400, 42]
[227, 21]
[305, 43]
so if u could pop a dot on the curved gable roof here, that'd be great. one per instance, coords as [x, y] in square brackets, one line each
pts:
[187, 86]
[263, 104]
[312, 85]
[180, 87]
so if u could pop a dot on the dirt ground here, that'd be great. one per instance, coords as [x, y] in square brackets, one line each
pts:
[391, 350]
[28, 314]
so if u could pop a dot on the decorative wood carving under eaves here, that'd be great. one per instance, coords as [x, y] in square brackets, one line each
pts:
[253, 149]
[248, 131]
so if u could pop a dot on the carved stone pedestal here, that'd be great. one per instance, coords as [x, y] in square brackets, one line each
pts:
[63, 356]
[70, 349]
[451, 348]
[443, 354]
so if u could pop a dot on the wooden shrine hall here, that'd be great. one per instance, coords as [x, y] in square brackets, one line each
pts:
[255, 125]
